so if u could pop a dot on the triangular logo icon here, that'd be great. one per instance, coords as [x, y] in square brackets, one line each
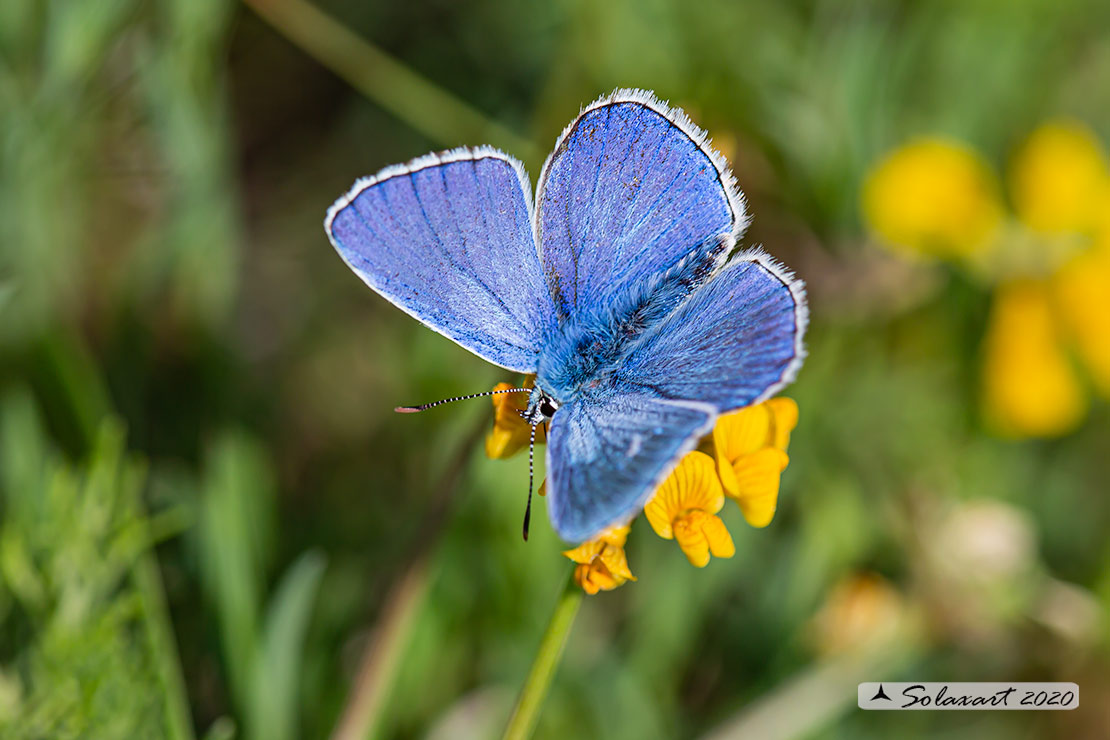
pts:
[881, 694]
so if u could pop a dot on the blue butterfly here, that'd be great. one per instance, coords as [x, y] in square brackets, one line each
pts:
[618, 288]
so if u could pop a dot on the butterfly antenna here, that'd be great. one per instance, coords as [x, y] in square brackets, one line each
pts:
[528, 508]
[426, 406]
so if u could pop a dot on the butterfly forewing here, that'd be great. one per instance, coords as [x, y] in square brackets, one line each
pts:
[631, 188]
[448, 239]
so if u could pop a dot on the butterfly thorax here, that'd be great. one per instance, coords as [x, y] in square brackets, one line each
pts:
[589, 347]
[579, 359]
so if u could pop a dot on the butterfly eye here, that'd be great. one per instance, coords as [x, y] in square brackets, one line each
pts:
[547, 408]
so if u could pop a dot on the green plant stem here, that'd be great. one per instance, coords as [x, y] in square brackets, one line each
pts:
[148, 581]
[527, 711]
[429, 109]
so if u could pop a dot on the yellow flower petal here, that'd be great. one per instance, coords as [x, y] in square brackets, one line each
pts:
[750, 449]
[1082, 291]
[757, 484]
[692, 485]
[585, 553]
[690, 536]
[616, 562]
[510, 433]
[592, 579]
[699, 534]
[615, 536]
[604, 573]
[502, 443]
[720, 541]
[1058, 177]
[933, 197]
[785, 413]
[743, 432]
[727, 475]
[685, 507]
[602, 563]
[1030, 389]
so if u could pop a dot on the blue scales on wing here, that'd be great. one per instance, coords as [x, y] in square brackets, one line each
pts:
[658, 334]
[448, 239]
[607, 453]
[735, 341]
[631, 189]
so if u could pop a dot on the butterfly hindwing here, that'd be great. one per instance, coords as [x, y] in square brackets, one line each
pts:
[607, 453]
[735, 341]
[448, 239]
[631, 188]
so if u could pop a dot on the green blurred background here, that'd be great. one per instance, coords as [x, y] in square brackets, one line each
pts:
[210, 514]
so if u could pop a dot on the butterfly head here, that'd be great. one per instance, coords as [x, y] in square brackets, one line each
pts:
[541, 407]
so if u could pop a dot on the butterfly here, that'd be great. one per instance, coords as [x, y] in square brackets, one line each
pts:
[619, 288]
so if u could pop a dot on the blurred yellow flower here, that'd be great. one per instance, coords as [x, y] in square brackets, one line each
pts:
[602, 563]
[1030, 388]
[510, 432]
[1082, 298]
[685, 507]
[1058, 177]
[933, 197]
[750, 446]
[862, 612]
[1052, 272]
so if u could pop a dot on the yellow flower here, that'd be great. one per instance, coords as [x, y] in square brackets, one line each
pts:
[933, 197]
[1058, 178]
[750, 445]
[1030, 388]
[510, 432]
[862, 612]
[1052, 269]
[684, 508]
[1082, 298]
[602, 564]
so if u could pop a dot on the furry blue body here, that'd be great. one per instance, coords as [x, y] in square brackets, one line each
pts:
[585, 352]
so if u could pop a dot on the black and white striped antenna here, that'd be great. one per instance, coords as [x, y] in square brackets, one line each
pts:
[528, 508]
[531, 438]
[433, 404]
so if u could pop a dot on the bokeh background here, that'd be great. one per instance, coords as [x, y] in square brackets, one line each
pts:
[212, 524]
